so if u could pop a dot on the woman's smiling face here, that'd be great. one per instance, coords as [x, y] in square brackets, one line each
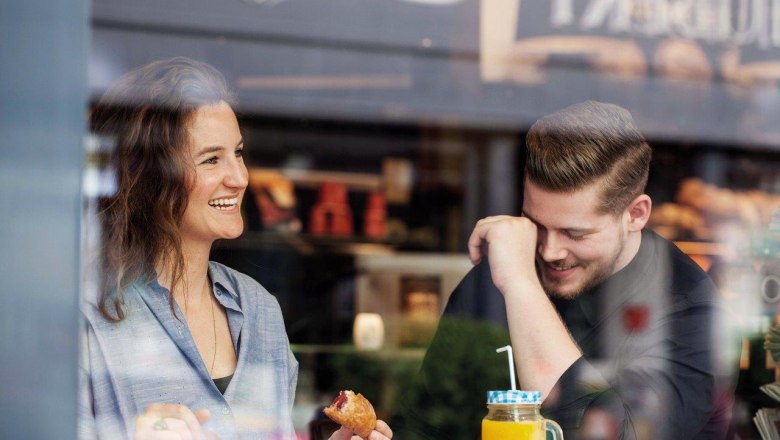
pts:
[220, 176]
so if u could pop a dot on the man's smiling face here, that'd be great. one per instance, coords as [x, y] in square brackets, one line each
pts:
[578, 246]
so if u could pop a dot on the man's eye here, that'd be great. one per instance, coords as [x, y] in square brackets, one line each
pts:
[240, 152]
[575, 237]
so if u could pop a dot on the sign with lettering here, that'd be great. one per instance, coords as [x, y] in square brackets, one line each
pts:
[745, 22]
[678, 39]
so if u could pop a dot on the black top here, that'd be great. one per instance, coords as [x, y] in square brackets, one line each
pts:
[648, 356]
[222, 383]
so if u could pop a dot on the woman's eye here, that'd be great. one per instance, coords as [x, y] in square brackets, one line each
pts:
[240, 152]
[211, 160]
[575, 237]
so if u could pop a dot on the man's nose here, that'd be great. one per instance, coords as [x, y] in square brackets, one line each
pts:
[550, 247]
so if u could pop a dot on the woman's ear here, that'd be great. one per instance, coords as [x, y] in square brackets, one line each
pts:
[639, 212]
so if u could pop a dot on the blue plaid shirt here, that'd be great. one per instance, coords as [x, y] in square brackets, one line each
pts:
[151, 357]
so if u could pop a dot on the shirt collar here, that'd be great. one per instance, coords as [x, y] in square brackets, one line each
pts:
[221, 282]
[589, 305]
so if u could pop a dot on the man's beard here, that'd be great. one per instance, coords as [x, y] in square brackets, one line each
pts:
[602, 272]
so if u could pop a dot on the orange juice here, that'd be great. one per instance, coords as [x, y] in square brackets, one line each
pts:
[516, 415]
[506, 430]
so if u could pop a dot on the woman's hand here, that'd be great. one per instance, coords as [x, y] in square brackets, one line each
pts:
[380, 432]
[170, 421]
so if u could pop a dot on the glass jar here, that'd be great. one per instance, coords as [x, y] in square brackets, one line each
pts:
[516, 415]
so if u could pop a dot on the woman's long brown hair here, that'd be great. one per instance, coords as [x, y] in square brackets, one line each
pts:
[147, 115]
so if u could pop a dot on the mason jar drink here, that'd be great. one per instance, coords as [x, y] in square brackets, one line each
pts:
[516, 415]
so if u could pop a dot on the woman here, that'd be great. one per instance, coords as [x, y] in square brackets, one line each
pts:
[176, 346]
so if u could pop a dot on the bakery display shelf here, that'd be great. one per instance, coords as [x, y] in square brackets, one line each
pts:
[314, 178]
[308, 244]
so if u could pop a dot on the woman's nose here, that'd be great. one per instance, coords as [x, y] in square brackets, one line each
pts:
[237, 175]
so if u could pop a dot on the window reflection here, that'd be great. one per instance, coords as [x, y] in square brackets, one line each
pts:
[377, 134]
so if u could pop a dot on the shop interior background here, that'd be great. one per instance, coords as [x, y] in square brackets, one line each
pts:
[414, 111]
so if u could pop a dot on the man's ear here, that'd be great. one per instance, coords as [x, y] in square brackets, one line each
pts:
[638, 212]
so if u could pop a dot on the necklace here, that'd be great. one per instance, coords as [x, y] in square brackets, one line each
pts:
[213, 324]
[214, 328]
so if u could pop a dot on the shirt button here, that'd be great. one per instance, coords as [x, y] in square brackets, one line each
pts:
[218, 292]
[225, 410]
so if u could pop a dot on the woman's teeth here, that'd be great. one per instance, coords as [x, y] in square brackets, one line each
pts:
[223, 203]
[562, 268]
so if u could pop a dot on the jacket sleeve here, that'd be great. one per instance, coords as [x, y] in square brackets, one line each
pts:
[86, 413]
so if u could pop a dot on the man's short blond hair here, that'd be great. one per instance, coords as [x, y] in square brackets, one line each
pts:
[586, 143]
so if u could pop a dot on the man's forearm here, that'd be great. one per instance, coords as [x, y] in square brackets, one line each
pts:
[543, 347]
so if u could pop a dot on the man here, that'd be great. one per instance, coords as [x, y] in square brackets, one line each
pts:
[611, 322]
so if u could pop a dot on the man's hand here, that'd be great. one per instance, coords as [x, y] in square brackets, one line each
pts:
[169, 421]
[542, 345]
[510, 245]
[381, 432]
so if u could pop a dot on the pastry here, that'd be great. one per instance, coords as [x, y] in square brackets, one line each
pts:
[354, 412]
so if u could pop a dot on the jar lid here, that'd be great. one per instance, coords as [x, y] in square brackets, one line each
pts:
[515, 396]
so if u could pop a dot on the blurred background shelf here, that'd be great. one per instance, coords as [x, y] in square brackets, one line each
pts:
[306, 178]
[308, 244]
